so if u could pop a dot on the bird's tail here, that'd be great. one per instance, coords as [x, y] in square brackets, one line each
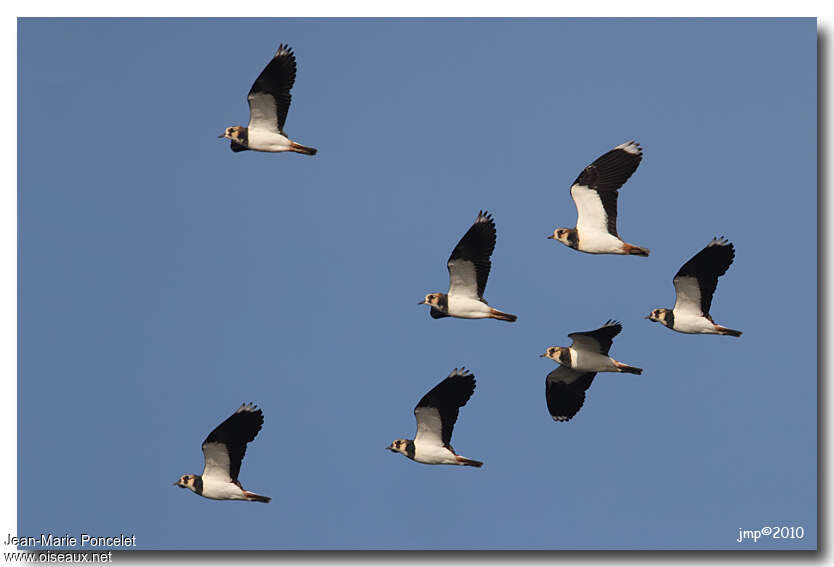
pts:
[726, 331]
[252, 497]
[468, 462]
[626, 368]
[636, 250]
[306, 150]
[501, 316]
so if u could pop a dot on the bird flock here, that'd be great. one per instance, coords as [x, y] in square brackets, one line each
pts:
[594, 193]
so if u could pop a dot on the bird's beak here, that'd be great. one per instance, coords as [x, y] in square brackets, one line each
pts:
[551, 237]
[223, 135]
[647, 317]
[543, 355]
[177, 483]
[390, 447]
[423, 302]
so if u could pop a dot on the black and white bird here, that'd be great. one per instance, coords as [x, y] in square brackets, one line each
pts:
[578, 364]
[436, 415]
[469, 267]
[595, 195]
[695, 285]
[223, 450]
[269, 101]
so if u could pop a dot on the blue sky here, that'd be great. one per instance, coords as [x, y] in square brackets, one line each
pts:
[164, 280]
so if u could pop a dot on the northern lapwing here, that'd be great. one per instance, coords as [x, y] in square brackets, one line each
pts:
[436, 415]
[595, 195]
[469, 267]
[223, 450]
[578, 364]
[269, 100]
[695, 285]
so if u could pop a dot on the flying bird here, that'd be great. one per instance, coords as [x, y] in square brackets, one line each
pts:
[469, 267]
[223, 450]
[436, 415]
[269, 100]
[695, 285]
[578, 364]
[595, 195]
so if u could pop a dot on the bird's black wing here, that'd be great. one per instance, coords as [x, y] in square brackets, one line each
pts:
[705, 268]
[437, 411]
[599, 340]
[595, 190]
[565, 392]
[269, 98]
[225, 446]
[469, 263]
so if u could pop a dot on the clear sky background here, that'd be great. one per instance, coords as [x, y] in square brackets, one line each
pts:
[164, 280]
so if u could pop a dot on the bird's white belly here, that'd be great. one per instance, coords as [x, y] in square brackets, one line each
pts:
[267, 141]
[222, 490]
[688, 323]
[595, 242]
[467, 307]
[591, 361]
[434, 455]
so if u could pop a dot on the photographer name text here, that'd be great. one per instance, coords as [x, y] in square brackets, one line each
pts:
[50, 540]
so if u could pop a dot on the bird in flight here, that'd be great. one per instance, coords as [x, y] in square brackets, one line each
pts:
[469, 267]
[595, 194]
[269, 101]
[223, 450]
[695, 285]
[578, 364]
[436, 415]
